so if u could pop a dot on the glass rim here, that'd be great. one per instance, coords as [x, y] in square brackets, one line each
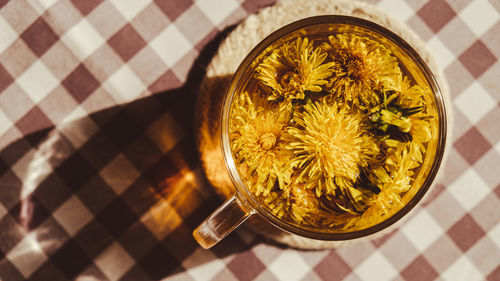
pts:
[241, 191]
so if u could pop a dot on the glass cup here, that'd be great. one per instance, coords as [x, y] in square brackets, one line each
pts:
[245, 204]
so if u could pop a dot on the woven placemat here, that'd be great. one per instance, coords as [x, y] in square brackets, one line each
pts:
[230, 54]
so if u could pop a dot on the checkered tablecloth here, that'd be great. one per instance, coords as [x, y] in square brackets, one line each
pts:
[100, 178]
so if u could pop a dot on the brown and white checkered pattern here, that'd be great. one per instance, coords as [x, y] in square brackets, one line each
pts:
[100, 179]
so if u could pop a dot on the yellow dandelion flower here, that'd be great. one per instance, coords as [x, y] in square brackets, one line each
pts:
[303, 202]
[400, 164]
[278, 202]
[301, 205]
[421, 130]
[330, 145]
[295, 201]
[293, 69]
[391, 184]
[404, 112]
[381, 204]
[361, 66]
[412, 95]
[256, 141]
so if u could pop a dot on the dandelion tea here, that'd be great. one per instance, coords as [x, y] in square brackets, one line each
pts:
[331, 128]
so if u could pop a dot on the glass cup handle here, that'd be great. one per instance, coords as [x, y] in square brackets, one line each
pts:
[221, 222]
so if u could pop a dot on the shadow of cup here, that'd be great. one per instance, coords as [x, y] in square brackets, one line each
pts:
[120, 186]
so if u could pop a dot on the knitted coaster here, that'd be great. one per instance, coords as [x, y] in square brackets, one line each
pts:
[230, 54]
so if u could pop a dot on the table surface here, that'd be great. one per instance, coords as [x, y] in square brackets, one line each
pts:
[99, 175]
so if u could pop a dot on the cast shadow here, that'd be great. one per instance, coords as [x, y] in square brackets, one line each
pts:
[125, 180]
